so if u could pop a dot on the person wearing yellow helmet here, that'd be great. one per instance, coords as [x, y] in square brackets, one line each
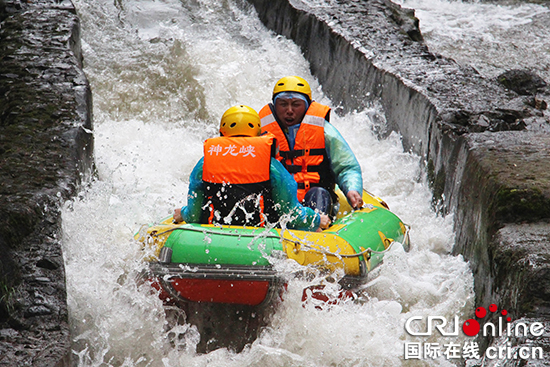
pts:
[239, 182]
[311, 148]
[240, 120]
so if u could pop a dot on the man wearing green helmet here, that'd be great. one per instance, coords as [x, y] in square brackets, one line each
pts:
[311, 148]
[237, 182]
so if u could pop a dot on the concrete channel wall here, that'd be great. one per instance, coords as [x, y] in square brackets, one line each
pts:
[486, 148]
[46, 149]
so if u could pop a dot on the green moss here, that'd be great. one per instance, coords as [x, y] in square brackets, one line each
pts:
[436, 182]
[430, 171]
[7, 293]
[516, 205]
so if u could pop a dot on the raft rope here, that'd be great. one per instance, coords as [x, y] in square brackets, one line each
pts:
[295, 242]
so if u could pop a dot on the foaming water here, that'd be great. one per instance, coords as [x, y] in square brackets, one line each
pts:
[162, 73]
[491, 37]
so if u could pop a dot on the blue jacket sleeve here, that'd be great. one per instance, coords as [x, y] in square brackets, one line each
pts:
[284, 193]
[195, 197]
[343, 163]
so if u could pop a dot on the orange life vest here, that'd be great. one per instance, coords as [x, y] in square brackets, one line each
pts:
[237, 180]
[307, 162]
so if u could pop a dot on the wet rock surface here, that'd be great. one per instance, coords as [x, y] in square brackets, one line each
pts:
[522, 82]
[45, 152]
[485, 141]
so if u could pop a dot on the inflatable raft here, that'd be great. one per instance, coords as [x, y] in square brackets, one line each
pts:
[199, 263]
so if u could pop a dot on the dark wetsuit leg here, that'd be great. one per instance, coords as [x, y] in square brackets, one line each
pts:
[319, 198]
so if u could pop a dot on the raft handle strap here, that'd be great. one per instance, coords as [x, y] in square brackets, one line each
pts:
[325, 252]
[209, 232]
[322, 251]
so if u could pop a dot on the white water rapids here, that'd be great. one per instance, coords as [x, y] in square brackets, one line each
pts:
[162, 73]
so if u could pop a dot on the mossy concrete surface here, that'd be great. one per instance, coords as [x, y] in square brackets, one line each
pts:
[503, 207]
[45, 152]
[518, 161]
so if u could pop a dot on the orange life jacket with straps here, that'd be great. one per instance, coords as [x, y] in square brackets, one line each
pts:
[307, 162]
[236, 176]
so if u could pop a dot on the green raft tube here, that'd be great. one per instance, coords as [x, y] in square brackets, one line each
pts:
[232, 264]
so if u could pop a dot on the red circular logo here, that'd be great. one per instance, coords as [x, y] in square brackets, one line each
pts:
[470, 327]
[481, 312]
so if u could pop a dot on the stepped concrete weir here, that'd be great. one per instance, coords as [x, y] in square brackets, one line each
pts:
[485, 147]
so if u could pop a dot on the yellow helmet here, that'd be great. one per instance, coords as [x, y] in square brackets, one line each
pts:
[292, 84]
[240, 120]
